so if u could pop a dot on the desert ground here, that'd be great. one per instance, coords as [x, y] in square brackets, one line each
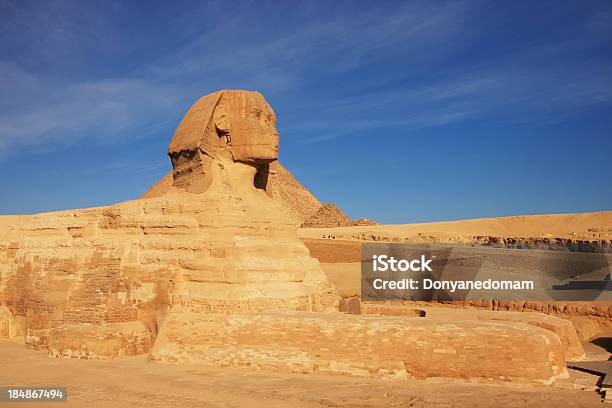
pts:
[134, 382]
[587, 226]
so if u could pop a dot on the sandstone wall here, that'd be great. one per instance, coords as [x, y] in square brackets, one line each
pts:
[342, 257]
[564, 329]
[9, 327]
[99, 342]
[367, 346]
[222, 252]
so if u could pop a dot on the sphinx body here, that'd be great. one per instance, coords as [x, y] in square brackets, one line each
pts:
[213, 242]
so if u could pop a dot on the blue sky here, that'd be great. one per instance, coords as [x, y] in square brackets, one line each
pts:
[407, 112]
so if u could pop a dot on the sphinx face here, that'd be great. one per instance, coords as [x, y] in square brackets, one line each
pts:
[249, 124]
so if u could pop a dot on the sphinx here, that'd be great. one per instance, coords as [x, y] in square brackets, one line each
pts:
[210, 241]
[206, 268]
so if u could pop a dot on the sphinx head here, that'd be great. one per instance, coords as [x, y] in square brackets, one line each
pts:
[227, 125]
[248, 126]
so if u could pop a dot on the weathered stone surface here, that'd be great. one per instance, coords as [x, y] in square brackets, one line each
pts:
[99, 342]
[384, 347]
[282, 186]
[300, 203]
[214, 242]
[327, 216]
[564, 329]
[340, 259]
[9, 327]
[363, 222]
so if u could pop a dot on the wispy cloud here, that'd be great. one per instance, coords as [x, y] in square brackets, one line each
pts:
[59, 111]
[92, 77]
[510, 90]
[397, 66]
[100, 110]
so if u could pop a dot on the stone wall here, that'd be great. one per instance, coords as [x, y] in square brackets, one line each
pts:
[9, 327]
[564, 329]
[368, 346]
[99, 342]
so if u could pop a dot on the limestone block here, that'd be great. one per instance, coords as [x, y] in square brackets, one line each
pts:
[564, 329]
[99, 342]
[370, 346]
[9, 327]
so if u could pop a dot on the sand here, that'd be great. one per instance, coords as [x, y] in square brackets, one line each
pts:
[596, 225]
[134, 382]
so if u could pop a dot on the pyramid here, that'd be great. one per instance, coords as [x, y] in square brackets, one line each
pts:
[327, 216]
[282, 186]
